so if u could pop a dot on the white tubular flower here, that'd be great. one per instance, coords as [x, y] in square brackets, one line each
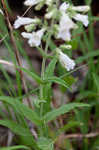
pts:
[26, 35]
[82, 18]
[1, 12]
[34, 38]
[31, 2]
[23, 21]
[65, 61]
[81, 8]
[77, 16]
[63, 7]
[66, 24]
[64, 35]
[34, 2]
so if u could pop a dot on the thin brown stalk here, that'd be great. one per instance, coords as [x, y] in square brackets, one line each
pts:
[89, 135]
[26, 11]
[15, 50]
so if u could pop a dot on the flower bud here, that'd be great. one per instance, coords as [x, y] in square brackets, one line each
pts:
[40, 5]
[65, 46]
[49, 2]
[30, 27]
[51, 14]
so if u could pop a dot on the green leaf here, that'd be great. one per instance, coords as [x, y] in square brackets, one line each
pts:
[70, 125]
[89, 55]
[19, 130]
[95, 144]
[50, 69]
[47, 90]
[16, 128]
[94, 18]
[22, 109]
[33, 75]
[45, 143]
[96, 80]
[63, 109]
[15, 147]
[41, 52]
[59, 81]
[52, 45]
[83, 118]
[87, 94]
[74, 44]
[68, 145]
[69, 80]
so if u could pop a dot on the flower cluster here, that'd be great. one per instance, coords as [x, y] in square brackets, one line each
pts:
[63, 16]
[66, 24]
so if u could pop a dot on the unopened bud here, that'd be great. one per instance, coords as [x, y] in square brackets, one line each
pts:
[51, 14]
[65, 46]
[30, 27]
[40, 5]
[49, 2]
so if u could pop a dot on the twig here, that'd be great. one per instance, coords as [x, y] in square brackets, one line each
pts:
[6, 63]
[89, 135]
[16, 51]
[26, 11]
[10, 138]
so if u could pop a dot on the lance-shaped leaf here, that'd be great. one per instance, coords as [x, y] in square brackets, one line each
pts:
[33, 75]
[22, 109]
[50, 69]
[20, 147]
[62, 110]
[58, 81]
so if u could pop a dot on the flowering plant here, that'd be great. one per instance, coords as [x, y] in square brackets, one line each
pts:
[57, 24]
[63, 24]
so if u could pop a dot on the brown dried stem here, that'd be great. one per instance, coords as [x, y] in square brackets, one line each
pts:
[15, 50]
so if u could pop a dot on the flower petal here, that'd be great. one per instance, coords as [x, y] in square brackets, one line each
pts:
[65, 61]
[64, 6]
[31, 2]
[34, 38]
[85, 8]
[82, 18]
[22, 21]
[66, 24]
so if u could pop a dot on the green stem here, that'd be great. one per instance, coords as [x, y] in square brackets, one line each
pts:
[43, 66]
[42, 86]
[42, 73]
